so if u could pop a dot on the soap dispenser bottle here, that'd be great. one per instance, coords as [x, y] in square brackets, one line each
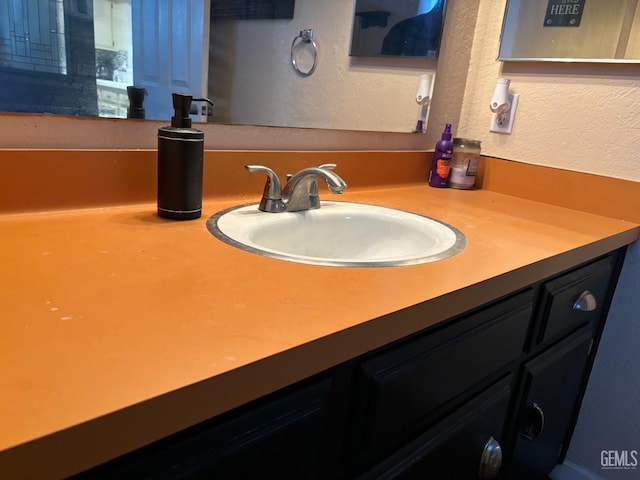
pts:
[136, 101]
[180, 164]
[439, 174]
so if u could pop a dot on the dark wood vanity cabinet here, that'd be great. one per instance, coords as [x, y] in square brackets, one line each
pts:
[551, 385]
[405, 389]
[464, 445]
[570, 317]
[493, 393]
[284, 436]
[575, 299]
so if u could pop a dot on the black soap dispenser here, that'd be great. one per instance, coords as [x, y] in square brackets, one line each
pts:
[180, 165]
[136, 101]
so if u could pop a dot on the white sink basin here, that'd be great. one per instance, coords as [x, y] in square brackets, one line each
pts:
[338, 234]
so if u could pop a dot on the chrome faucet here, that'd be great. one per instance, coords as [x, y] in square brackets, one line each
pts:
[301, 190]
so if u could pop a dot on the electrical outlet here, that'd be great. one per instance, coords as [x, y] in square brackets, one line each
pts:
[503, 122]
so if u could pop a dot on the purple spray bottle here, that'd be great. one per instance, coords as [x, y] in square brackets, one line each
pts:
[439, 174]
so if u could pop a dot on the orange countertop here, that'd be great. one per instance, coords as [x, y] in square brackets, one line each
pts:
[119, 328]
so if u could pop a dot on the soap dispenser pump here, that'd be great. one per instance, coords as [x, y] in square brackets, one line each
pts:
[180, 164]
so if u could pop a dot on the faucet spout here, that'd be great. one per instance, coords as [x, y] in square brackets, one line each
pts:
[301, 192]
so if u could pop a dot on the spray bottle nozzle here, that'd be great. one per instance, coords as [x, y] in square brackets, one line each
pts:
[446, 134]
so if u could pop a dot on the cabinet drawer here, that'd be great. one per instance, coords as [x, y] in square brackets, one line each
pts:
[457, 448]
[400, 391]
[561, 315]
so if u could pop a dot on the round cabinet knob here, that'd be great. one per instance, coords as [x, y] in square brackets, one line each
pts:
[535, 422]
[491, 460]
[586, 302]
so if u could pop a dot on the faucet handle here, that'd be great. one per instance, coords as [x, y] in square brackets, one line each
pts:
[272, 188]
[272, 194]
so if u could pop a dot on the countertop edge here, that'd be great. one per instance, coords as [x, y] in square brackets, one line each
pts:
[67, 451]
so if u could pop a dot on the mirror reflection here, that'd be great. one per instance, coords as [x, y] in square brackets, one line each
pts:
[47, 57]
[571, 30]
[77, 57]
[392, 28]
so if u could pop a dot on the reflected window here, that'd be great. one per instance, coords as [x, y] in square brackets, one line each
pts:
[75, 57]
[114, 55]
[32, 36]
[47, 57]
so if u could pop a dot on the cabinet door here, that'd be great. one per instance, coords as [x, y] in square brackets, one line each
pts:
[282, 439]
[553, 382]
[404, 390]
[464, 446]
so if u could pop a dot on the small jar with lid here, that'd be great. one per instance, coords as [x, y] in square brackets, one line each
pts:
[465, 161]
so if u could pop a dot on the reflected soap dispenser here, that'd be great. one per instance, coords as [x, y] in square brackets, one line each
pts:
[180, 164]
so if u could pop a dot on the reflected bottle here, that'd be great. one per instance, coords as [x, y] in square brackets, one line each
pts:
[136, 102]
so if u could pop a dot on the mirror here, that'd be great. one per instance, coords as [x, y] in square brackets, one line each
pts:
[401, 29]
[252, 81]
[249, 61]
[571, 31]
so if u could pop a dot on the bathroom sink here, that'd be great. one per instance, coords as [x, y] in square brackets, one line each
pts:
[342, 234]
